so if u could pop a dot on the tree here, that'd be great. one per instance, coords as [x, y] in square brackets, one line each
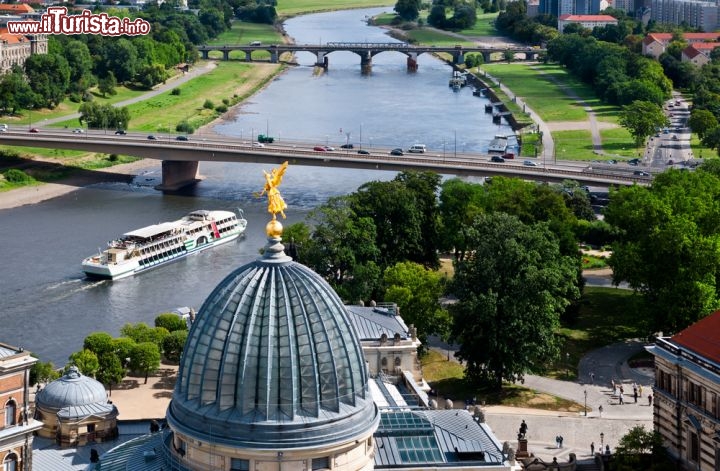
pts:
[145, 358]
[641, 119]
[702, 122]
[110, 370]
[107, 84]
[99, 343]
[86, 361]
[460, 203]
[49, 77]
[141, 332]
[417, 291]
[666, 246]
[123, 349]
[170, 321]
[408, 10]
[80, 62]
[122, 59]
[511, 289]
[43, 372]
[173, 345]
[641, 449]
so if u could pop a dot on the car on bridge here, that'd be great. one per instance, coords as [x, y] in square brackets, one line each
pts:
[641, 173]
[530, 163]
[497, 158]
[347, 146]
[152, 138]
[120, 132]
[363, 152]
[397, 151]
[319, 149]
[181, 138]
[78, 131]
[33, 130]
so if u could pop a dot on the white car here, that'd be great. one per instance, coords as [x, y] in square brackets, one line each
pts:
[258, 144]
[530, 163]
[78, 131]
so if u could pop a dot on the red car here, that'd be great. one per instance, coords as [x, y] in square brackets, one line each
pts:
[320, 149]
[34, 130]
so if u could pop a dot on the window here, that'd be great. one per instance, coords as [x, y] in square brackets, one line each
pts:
[695, 394]
[10, 462]
[714, 405]
[321, 463]
[694, 448]
[665, 381]
[91, 428]
[10, 411]
[239, 464]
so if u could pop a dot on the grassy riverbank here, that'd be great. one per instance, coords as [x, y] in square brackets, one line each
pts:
[286, 8]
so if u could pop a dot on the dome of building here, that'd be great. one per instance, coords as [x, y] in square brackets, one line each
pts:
[72, 390]
[272, 362]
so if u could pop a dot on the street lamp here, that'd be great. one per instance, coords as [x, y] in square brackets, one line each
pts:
[567, 364]
[602, 438]
[361, 135]
[455, 153]
[585, 392]
[347, 141]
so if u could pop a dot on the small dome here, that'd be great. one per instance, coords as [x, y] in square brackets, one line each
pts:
[73, 389]
[273, 361]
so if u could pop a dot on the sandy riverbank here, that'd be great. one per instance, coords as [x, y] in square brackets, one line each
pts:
[45, 191]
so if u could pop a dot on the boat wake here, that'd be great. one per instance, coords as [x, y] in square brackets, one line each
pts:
[53, 292]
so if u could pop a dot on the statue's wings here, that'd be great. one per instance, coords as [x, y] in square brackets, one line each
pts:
[278, 174]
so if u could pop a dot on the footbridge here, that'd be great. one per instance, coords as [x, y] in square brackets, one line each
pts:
[367, 51]
[180, 159]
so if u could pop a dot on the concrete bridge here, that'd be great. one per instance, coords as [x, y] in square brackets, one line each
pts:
[367, 51]
[180, 159]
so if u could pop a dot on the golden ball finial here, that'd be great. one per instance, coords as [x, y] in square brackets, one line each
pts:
[274, 228]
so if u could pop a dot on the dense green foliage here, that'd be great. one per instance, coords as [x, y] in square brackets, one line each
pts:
[668, 246]
[86, 361]
[641, 449]
[173, 345]
[512, 287]
[464, 15]
[408, 10]
[42, 372]
[643, 119]
[170, 321]
[145, 358]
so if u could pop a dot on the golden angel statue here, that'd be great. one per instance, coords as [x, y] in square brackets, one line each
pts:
[276, 204]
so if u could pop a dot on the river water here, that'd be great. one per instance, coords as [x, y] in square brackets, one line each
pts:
[47, 306]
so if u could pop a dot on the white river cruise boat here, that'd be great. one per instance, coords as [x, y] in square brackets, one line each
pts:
[155, 245]
[498, 145]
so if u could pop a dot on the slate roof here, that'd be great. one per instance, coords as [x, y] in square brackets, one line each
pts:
[7, 351]
[372, 322]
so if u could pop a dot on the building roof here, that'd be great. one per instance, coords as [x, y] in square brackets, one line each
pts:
[690, 52]
[73, 390]
[372, 322]
[273, 361]
[704, 46]
[7, 351]
[16, 8]
[702, 338]
[568, 17]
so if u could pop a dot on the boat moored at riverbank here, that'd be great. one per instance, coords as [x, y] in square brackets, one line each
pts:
[156, 245]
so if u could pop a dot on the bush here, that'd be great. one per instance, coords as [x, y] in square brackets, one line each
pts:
[184, 127]
[221, 108]
[75, 97]
[113, 157]
[18, 176]
[175, 91]
[173, 345]
[170, 321]
[208, 104]
[226, 101]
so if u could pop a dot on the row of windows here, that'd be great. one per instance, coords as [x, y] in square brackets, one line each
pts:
[691, 392]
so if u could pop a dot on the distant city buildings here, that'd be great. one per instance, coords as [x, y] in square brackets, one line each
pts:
[16, 426]
[586, 21]
[693, 13]
[686, 394]
[15, 49]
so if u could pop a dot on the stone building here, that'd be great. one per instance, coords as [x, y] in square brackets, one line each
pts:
[16, 428]
[686, 393]
[75, 410]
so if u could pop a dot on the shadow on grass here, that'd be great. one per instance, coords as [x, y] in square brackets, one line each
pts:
[48, 172]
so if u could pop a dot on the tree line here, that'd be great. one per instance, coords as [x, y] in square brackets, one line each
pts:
[139, 349]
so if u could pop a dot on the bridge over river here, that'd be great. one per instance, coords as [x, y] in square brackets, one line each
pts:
[367, 50]
[180, 159]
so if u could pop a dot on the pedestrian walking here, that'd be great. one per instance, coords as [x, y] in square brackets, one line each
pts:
[622, 390]
[592, 448]
[557, 441]
[622, 402]
[561, 440]
[640, 390]
[635, 396]
[600, 409]
[649, 399]
[612, 382]
[592, 378]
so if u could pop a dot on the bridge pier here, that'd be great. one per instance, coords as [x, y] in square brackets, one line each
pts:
[366, 62]
[205, 54]
[458, 55]
[322, 60]
[226, 54]
[412, 64]
[486, 57]
[248, 56]
[177, 174]
[274, 57]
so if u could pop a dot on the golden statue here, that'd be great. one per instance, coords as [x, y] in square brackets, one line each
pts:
[276, 203]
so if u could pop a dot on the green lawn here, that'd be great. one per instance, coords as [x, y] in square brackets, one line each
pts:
[618, 141]
[431, 36]
[573, 145]
[287, 8]
[541, 94]
[243, 33]
[484, 26]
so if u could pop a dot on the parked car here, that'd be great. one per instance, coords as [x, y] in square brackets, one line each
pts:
[319, 148]
[34, 130]
[640, 173]
[363, 152]
[78, 130]
[497, 158]
[396, 151]
[181, 138]
[120, 132]
[530, 163]
[152, 138]
[347, 146]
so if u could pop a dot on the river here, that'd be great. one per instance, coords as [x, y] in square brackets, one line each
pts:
[48, 306]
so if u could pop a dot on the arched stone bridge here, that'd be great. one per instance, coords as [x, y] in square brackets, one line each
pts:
[367, 51]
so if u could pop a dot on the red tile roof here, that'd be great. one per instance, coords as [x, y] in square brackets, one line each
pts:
[703, 337]
[588, 18]
[705, 46]
[701, 36]
[15, 8]
[690, 52]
